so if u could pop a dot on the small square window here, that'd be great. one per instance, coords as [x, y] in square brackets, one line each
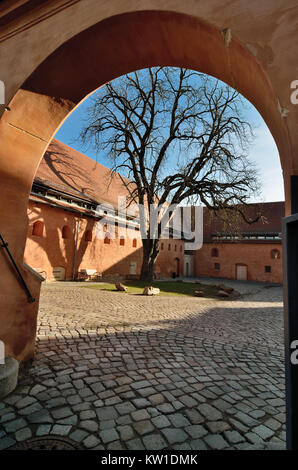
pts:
[267, 269]
[216, 266]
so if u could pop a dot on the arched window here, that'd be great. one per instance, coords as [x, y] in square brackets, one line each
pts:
[107, 239]
[161, 246]
[88, 236]
[134, 243]
[37, 229]
[175, 247]
[169, 247]
[214, 253]
[105, 227]
[66, 232]
[122, 241]
[275, 254]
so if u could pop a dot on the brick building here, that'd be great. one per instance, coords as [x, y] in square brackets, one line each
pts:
[67, 234]
[251, 252]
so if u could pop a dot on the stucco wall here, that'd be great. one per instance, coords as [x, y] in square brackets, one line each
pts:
[51, 250]
[255, 255]
[166, 263]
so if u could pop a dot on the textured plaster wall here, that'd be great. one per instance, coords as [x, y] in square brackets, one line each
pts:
[255, 255]
[51, 250]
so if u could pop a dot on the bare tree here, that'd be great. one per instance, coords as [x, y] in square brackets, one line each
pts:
[174, 135]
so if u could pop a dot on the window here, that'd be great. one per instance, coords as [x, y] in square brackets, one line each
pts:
[88, 236]
[275, 254]
[66, 232]
[105, 227]
[107, 239]
[169, 247]
[161, 247]
[181, 248]
[267, 269]
[216, 266]
[122, 241]
[214, 252]
[134, 243]
[175, 247]
[37, 229]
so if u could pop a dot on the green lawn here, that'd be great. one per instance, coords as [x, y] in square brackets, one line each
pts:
[166, 288]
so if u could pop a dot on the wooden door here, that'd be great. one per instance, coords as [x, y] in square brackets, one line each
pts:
[241, 272]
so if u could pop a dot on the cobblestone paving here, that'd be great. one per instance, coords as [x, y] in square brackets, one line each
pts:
[119, 371]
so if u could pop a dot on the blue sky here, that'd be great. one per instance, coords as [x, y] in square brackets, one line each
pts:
[263, 152]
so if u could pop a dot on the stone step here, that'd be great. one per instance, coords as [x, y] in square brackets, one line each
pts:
[9, 372]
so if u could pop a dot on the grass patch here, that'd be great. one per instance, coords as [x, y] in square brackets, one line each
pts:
[167, 288]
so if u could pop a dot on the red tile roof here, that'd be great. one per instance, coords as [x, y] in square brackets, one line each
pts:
[270, 221]
[65, 169]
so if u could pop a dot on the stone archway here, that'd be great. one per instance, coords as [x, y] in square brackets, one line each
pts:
[97, 54]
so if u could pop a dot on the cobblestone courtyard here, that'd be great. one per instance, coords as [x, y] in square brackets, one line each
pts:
[119, 371]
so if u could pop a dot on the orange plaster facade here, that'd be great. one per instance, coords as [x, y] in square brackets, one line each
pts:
[49, 251]
[254, 256]
[64, 234]
[116, 259]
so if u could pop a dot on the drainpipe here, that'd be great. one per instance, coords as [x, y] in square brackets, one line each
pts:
[76, 249]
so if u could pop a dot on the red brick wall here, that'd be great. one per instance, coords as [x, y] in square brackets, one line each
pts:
[167, 263]
[255, 255]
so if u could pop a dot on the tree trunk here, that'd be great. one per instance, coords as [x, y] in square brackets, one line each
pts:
[150, 252]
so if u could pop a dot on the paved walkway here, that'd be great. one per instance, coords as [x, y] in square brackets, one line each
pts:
[119, 371]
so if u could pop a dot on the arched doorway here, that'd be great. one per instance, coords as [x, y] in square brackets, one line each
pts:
[240, 44]
[124, 43]
[188, 264]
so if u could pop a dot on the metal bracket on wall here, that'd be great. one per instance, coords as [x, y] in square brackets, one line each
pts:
[4, 245]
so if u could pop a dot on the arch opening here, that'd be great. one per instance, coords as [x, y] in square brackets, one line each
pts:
[124, 43]
[38, 229]
[128, 42]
